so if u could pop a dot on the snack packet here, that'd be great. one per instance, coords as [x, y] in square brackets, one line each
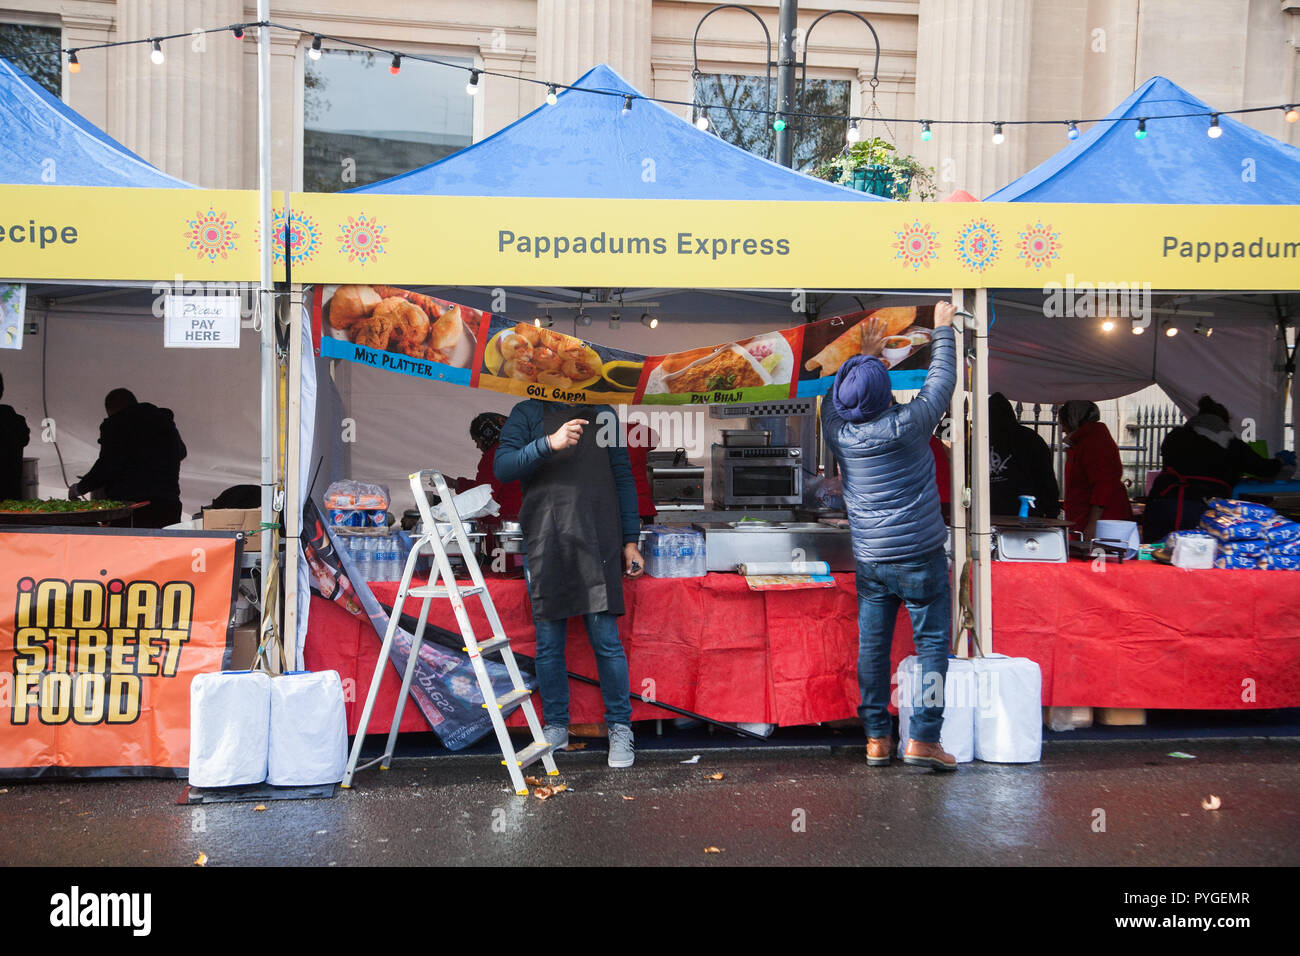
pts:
[1244, 549]
[1241, 509]
[1228, 528]
[1226, 562]
[1280, 562]
[1279, 530]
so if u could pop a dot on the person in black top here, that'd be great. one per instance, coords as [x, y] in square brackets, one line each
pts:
[140, 455]
[1202, 459]
[14, 436]
[1020, 463]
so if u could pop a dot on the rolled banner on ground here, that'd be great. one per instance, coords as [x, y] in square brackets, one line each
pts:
[783, 567]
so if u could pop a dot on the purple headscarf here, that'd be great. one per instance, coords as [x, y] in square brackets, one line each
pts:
[861, 390]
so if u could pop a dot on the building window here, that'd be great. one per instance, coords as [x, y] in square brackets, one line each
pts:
[34, 50]
[815, 140]
[362, 124]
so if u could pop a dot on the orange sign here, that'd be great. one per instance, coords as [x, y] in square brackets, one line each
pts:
[101, 633]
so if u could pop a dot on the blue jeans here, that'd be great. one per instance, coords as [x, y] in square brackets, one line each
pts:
[922, 585]
[611, 666]
[553, 671]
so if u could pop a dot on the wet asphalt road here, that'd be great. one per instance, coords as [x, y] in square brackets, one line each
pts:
[791, 807]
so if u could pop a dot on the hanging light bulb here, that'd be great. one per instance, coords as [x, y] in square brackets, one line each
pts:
[1215, 130]
[701, 122]
[551, 97]
[314, 52]
[157, 54]
[1141, 132]
[649, 321]
[238, 31]
[627, 105]
[779, 125]
[1072, 130]
[854, 135]
[472, 86]
[1292, 114]
[396, 66]
[925, 131]
[998, 137]
[73, 65]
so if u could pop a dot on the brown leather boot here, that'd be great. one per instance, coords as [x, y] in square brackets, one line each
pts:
[921, 754]
[879, 750]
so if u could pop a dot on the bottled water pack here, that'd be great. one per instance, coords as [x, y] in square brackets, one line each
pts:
[674, 552]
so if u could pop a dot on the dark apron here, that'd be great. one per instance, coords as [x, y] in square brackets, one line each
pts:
[572, 527]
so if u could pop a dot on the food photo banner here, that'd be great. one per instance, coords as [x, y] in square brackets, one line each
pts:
[402, 331]
[70, 233]
[101, 633]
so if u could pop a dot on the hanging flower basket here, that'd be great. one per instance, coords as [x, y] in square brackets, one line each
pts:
[881, 180]
[873, 166]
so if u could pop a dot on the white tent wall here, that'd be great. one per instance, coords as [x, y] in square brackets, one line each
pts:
[1034, 358]
[92, 349]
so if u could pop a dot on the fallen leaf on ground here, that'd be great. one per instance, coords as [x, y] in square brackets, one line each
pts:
[695, 759]
[84, 813]
[1211, 803]
[260, 806]
[541, 793]
[532, 781]
[202, 860]
[559, 788]
[715, 776]
[712, 849]
[626, 797]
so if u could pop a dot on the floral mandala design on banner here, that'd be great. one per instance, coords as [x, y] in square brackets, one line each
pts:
[212, 234]
[1039, 245]
[916, 245]
[304, 236]
[363, 239]
[978, 245]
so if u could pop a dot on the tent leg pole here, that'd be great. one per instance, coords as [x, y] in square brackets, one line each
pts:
[292, 489]
[957, 490]
[982, 532]
[266, 310]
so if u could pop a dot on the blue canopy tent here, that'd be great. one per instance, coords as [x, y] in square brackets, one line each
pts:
[45, 143]
[587, 147]
[1176, 162]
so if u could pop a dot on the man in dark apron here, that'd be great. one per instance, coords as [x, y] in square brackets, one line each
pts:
[580, 526]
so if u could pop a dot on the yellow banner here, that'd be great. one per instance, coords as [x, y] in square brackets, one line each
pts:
[74, 233]
[70, 234]
[790, 245]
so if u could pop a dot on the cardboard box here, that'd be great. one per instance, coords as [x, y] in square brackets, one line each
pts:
[245, 648]
[247, 520]
[1121, 716]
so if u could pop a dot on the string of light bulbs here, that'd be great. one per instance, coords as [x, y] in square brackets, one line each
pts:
[1290, 111]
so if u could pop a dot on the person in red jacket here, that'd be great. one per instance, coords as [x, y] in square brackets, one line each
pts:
[1094, 474]
[485, 429]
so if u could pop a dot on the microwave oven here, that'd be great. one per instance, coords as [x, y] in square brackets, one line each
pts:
[757, 476]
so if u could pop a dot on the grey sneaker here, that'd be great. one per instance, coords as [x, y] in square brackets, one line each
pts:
[557, 737]
[621, 751]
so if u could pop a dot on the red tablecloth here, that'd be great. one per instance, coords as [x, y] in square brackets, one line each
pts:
[1135, 635]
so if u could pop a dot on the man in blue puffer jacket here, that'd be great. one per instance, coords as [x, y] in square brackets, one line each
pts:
[898, 532]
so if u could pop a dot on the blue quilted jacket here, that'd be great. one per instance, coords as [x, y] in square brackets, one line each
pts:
[888, 469]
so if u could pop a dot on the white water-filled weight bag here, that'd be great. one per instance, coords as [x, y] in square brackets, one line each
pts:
[230, 717]
[1009, 709]
[309, 730]
[957, 734]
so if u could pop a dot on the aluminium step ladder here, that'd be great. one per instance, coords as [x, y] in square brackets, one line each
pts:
[434, 539]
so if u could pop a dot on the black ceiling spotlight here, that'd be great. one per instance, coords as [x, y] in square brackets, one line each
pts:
[615, 320]
[582, 318]
[649, 321]
[544, 321]
[1202, 329]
